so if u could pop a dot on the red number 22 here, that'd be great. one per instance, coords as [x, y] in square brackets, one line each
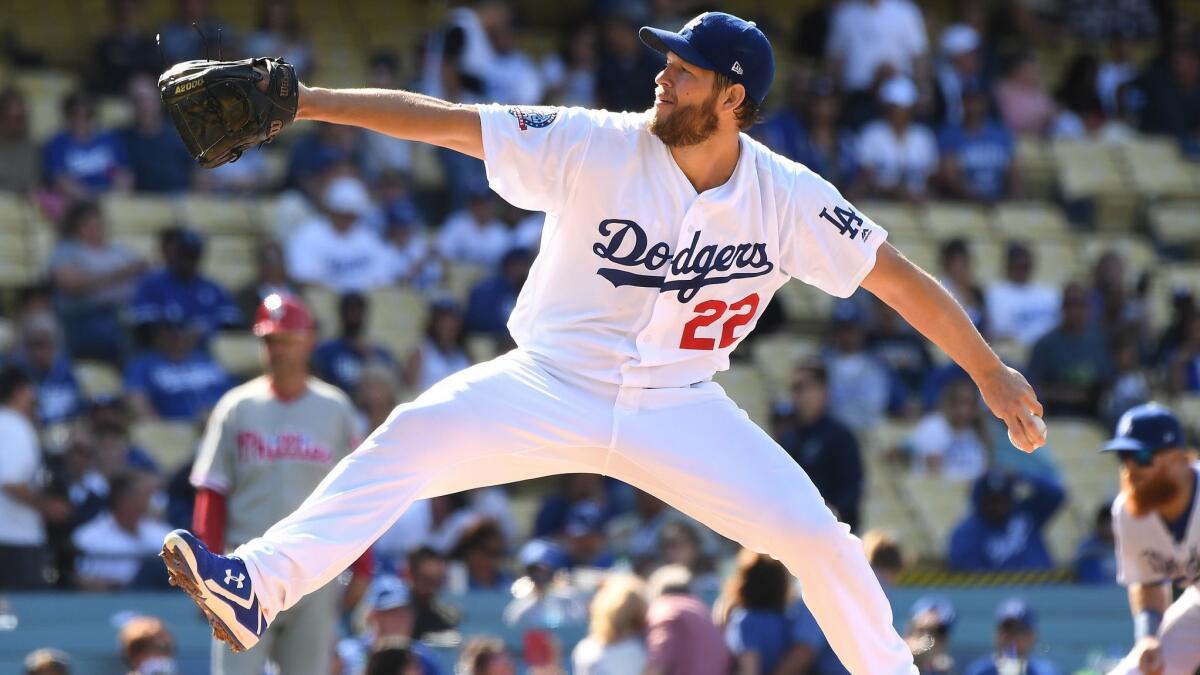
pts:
[709, 312]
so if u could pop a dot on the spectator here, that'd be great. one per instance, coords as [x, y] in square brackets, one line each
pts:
[929, 624]
[1003, 531]
[147, 647]
[93, 281]
[336, 250]
[411, 260]
[179, 293]
[157, 156]
[426, 579]
[752, 609]
[331, 150]
[824, 447]
[1018, 308]
[280, 33]
[485, 655]
[479, 556]
[541, 599]
[896, 155]
[958, 277]
[894, 342]
[121, 544]
[870, 41]
[1015, 639]
[1183, 364]
[884, 556]
[1115, 304]
[682, 544]
[1080, 113]
[1025, 107]
[953, 442]
[24, 508]
[392, 657]
[19, 157]
[624, 64]
[637, 535]
[377, 395]
[1069, 366]
[960, 71]
[82, 162]
[124, 51]
[615, 643]
[115, 450]
[977, 155]
[272, 278]
[74, 478]
[1096, 557]
[1099, 21]
[1130, 383]
[1171, 86]
[443, 351]
[47, 661]
[859, 384]
[584, 540]
[59, 397]
[570, 74]
[681, 638]
[175, 379]
[385, 155]
[810, 652]
[513, 77]
[1183, 309]
[493, 299]
[194, 33]
[475, 235]
[807, 131]
[389, 618]
[573, 488]
[341, 360]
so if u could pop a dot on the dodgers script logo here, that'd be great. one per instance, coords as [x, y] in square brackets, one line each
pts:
[533, 117]
[628, 246]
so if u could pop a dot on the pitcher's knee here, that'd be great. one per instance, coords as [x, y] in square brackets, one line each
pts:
[795, 530]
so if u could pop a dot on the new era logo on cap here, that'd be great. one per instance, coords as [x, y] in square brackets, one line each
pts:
[737, 68]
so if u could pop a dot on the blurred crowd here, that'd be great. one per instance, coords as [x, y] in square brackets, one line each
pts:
[875, 100]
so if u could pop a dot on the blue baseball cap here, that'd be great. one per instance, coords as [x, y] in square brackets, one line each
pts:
[388, 592]
[722, 43]
[1016, 610]
[1146, 429]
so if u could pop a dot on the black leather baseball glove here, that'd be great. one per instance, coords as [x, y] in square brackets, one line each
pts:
[220, 110]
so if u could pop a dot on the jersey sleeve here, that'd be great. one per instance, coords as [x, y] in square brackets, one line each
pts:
[533, 154]
[214, 466]
[825, 241]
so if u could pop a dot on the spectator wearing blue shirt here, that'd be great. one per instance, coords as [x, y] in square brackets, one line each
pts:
[753, 607]
[178, 292]
[812, 653]
[59, 397]
[480, 552]
[1003, 532]
[807, 131]
[340, 361]
[1096, 559]
[930, 622]
[493, 299]
[584, 538]
[157, 156]
[389, 616]
[977, 156]
[1015, 639]
[175, 380]
[82, 162]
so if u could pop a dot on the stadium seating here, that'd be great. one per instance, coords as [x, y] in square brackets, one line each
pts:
[774, 356]
[744, 386]
[97, 379]
[137, 214]
[238, 353]
[397, 319]
[169, 443]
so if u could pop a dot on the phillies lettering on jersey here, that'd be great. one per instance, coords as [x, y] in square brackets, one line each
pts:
[254, 446]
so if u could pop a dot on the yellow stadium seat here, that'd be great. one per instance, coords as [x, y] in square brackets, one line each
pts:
[804, 303]
[1156, 167]
[239, 353]
[776, 355]
[481, 348]
[1074, 441]
[1063, 535]
[747, 387]
[1187, 406]
[939, 503]
[885, 510]
[461, 277]
[114, 112]
[13, 213]
[1029, 221]
[145, 246]
[898, 218]
[1138, 254]
[944, 220]
[1036, 167]
[97, 379]
[397, 319]
[171, 444]
[323, 303]
[218, 214]
[1176, 223]
[1087, 169]
[138, 214]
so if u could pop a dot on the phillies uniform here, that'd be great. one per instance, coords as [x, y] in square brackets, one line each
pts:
[265, 455]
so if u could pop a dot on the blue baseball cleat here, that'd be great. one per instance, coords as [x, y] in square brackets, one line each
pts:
[220, 586]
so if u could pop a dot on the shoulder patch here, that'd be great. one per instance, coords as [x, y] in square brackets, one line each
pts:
[537, 118]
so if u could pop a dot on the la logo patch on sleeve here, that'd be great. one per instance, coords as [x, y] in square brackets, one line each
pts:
[537, 118]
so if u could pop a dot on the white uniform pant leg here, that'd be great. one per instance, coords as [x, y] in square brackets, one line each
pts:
[694, 449]
[497, 422]
[1179, 635]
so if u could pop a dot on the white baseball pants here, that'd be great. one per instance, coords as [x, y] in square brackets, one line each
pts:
[1179, 636]
[516, 418]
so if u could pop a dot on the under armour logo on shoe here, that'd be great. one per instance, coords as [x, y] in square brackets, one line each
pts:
[737, 67]
[239, 579]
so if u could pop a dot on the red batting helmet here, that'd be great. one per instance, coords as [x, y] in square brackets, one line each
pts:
[282, 313]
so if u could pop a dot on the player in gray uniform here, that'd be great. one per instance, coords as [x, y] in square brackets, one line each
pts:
[1156, 518]
[267, 445]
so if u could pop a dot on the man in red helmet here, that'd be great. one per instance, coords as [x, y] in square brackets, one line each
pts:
[267, 445]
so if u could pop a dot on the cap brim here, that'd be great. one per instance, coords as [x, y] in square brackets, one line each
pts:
[663, 41]
[1118, 444]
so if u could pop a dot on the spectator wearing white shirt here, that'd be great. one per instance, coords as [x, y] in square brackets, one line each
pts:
[336, 250]
[1018, 308]
[514, 77]
[859, 383]
[114, 545]
[952, 442]
[615, 643]
[476, 234]
[410, 258]
[897, 155]
[870, 41]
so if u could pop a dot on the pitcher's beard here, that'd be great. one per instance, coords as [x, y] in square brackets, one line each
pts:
[1149, 495]
[684, 126]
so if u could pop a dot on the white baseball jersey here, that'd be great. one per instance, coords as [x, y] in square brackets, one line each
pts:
[640, 281]
[1147, 552]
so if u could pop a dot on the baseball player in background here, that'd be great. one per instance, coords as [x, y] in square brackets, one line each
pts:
[268, 443]
[667, 232]
[1156, 520]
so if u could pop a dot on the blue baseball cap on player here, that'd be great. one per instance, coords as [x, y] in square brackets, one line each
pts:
[723, 43]
[1016, 611]
[1144, 430]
